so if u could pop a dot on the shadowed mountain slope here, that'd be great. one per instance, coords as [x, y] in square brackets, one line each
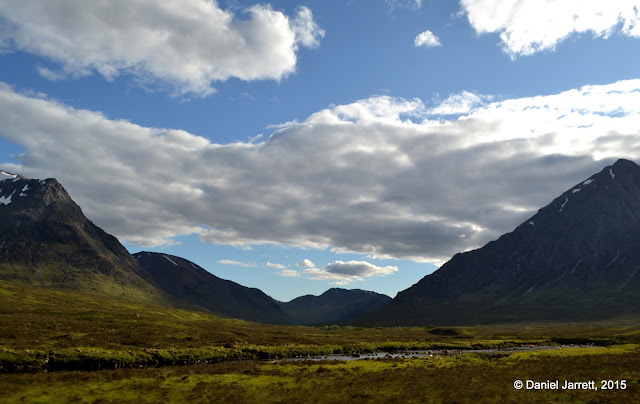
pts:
[46, 240]
[333, 305]
[191, 283]
[576, 259]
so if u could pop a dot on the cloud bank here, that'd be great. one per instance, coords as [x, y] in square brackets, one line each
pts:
[530, 26]
[183, 45]
[381, 176]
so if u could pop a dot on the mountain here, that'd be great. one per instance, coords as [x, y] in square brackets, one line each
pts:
[46, 240]
[576, 259]
[191, 283]
[333, 305]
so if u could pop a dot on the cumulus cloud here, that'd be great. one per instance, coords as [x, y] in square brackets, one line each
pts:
[461, 103]
[184, 45]
[380, 176]
[289, 273]
[306, 263]
[236, 263]
[530, 26]
[275, 266]
[426, 39]
[342, 273]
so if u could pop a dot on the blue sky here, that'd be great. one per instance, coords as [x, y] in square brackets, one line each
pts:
[252, 137]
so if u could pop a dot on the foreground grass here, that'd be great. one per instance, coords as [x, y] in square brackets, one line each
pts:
[96, 349]
[467, 378]
[54, 330]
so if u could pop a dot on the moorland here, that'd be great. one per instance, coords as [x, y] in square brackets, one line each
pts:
[65, 346]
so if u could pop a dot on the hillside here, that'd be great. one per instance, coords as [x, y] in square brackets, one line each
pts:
[334, 305]
[193, 284]
[576, 259]
[46, 240]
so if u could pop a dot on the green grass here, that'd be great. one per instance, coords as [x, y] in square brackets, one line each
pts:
[96, 348]
[468, 378]
[67, 330]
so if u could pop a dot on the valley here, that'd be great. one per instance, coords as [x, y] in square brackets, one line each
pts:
[82, 320]
[61, 346]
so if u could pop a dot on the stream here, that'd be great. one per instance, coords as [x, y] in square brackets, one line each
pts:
[419, 353]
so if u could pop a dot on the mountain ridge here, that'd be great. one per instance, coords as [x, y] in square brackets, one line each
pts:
[191, 283]
[46, 240]
[575, 259]
[334, 305]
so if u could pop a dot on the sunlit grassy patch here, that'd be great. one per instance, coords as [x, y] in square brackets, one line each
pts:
[123, 351]
[462, 378]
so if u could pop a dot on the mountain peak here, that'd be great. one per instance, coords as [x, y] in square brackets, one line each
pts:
[577, 258]
[45, 239]
[19, 193]
[191, 283]
[624, 163]
[336, 304]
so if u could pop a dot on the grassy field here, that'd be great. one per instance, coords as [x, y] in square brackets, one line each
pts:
[69, 347]
[467, 378]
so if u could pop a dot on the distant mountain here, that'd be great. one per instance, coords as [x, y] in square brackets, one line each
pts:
[576, 259]
[191, 283]
[333, 305]
[46, 240]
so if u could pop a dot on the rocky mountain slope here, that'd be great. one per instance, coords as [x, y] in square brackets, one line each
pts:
[333, 305]
[191, 283]
[46, 240]
[576, 259]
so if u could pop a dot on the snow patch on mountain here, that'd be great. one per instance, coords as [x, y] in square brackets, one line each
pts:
[565, 202]
[170, 260]
[4, 174]
[5, 200]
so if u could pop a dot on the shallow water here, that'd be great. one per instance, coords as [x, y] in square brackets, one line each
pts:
[419, 353]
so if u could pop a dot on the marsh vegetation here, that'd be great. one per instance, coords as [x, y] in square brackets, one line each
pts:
[96, 349]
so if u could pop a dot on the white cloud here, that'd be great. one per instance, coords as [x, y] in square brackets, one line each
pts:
[306, 264]
[462, 103]
[380, 176]
[237, 263]
[426, 39]
[308, 33]
[275, 266]
[404, 4]
[289, 273]
[347, 272]
[529, 26]
[182, 45]
[49, 74]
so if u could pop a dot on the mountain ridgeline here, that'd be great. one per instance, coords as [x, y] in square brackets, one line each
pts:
[576, 259]
[46, 240]
[334, 305]
[191, 283]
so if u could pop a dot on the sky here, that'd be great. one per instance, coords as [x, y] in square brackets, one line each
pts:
[296, 146]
